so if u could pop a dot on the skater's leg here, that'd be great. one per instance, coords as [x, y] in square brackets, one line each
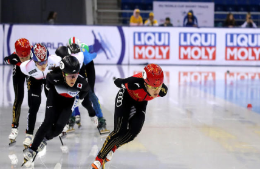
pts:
[18, 85]
[96, 104]
[34, 100]
[91, 74]
[61, 122]
[51, 115]
[121, 117]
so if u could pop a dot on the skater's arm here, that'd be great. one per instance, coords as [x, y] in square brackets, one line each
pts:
[164, 90]
[62, 51]
[84, 87]
[51, 80]
[12, 60]
[134, 83]
[23, 68]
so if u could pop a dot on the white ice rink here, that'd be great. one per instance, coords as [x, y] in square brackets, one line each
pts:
[202, 123]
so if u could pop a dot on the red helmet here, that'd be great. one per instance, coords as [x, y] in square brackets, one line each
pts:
[153, 75]
[22, 47]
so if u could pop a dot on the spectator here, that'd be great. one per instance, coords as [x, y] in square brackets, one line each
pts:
[52, 17]
[190, 20]
[230, 21]
[136, 19]
[249, 22]
[167, 22]
[151, 21]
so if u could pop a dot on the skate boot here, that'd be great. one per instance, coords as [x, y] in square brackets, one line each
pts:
[64, 132]
[110, 154]
[102, 126]
[98, 163]
[28, 141]
[77, 120]
[12, 136]
[42, 145]
[29, 156]
[94, 120]
[71, 124]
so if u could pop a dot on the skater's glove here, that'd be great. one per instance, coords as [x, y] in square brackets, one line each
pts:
[12, 60]
[119, 82]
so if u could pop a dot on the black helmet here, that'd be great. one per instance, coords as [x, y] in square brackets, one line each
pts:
[70, 64]
[74, 48]
[62, 51]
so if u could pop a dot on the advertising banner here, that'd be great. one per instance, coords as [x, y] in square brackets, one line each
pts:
[142, 45]
[193, 46]
[177, 11]
[108, 42]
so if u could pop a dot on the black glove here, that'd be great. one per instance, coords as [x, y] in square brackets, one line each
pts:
[119, 82]
[163, 90]
[12, 59]
[62, 51]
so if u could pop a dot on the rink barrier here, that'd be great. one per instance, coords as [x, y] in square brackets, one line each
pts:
[142, 45]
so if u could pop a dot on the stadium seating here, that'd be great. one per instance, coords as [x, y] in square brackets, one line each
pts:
[220, 5]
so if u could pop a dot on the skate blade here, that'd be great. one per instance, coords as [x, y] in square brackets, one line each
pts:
[12, 142]
[24, 162]
[70, 130]
[79, 125]
[63, 136]
[104, 131]
[103, 165]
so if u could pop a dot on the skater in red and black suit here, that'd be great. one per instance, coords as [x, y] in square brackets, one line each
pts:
[22, 53]
[130, 109]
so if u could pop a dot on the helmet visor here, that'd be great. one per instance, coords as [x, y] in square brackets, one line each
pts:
[72, 76]
[154, 88]
[41, 63]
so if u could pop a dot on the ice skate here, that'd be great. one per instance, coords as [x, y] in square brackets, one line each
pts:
[98, 163]
[42, 145]
[64, 132]
[28, 141]
[77, 120]
[71, 124]
[102, 126]
[94, 120]
[12, 136]
[110, 154]
[29, 156]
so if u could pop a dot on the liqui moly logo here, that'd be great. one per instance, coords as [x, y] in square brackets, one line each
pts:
[242, 47]
[152, 45]
[196, 77]
[166, 76]
[232, 77]
[197, 46]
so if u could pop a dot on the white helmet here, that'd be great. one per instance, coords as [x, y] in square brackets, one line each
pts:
[74, 40]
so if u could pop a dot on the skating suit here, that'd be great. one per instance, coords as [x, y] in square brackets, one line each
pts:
[18, 84]
[34, 84]
[130, 110]
[59, 105]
